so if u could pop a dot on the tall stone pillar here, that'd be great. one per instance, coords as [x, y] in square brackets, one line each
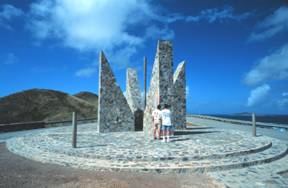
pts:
[134, 98]
[161, 84]
[133, 92]
[114, 113]
[179, 101]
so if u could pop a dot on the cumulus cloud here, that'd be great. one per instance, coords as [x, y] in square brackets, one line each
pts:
[156, 32]
[93, 25]
[87, 24]
[271, 67]
[272, 25]
[86, 72]
[218, 15]
[285, 94]
[283, 103]
[258, 95]
[7, 13]
[90, 25]
[212, 15]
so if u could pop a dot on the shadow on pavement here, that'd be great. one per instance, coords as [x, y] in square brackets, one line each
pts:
[193, 132]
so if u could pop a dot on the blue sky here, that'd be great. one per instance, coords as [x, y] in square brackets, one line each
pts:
[236, 51]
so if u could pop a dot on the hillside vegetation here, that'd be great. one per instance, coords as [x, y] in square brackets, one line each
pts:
[46, 105]
[88, 96]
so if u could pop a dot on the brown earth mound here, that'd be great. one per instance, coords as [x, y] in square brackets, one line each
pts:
[44, 105]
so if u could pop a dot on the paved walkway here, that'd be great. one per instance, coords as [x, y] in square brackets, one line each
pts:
[272, 174]
[223, 151]
[278, 133]
[7, 135]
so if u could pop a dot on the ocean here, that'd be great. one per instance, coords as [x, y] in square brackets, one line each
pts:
[280, 119]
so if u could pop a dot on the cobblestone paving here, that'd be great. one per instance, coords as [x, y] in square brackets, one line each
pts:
[268, 175]
[230, 156]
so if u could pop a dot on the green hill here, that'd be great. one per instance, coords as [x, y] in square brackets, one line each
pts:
[44, 105]
[88, 96]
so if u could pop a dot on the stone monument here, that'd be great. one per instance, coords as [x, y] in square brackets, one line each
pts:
[179, 101]
[133, 92]
[134, 98]
[114, 113]
[166, 88]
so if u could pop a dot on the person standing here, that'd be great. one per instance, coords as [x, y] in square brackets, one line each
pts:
[166, 123]
[156, 115]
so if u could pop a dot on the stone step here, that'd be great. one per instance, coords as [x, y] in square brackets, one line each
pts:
[277, 151]
[150, 158]
[274, 153]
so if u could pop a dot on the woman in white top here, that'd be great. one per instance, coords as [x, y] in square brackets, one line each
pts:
[156, 114]
[166, 123]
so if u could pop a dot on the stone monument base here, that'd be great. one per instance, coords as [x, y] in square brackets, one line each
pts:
[192, 150]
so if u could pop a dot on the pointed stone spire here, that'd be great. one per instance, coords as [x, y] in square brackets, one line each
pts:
[114, 113]
[161, 83]
[133, 92]
[134, 98]
[179, 101]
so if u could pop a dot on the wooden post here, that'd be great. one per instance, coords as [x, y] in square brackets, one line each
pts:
[74, 125]
[253, 124]
[145, 81]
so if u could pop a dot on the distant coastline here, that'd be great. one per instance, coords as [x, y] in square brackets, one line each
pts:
[280, 119]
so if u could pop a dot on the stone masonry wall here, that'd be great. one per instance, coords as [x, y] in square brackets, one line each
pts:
[114, 113]
[133, 92]
[161, 83]
[179, 101]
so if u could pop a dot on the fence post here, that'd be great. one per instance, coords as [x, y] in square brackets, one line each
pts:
[145, 82]
[74, 125]
[253, 124]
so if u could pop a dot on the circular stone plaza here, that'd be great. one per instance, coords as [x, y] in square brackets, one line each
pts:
[223, 151]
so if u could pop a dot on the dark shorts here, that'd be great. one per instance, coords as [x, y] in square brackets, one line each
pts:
[166, 128]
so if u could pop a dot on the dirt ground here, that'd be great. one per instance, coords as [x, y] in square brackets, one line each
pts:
[16, 171]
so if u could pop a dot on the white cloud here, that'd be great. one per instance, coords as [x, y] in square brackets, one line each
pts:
[272, 67]
[90, 25]
[7, 13]
[258, 95]
[218, 15]
[10, 59]
[86, 72]
[285, 94]
[283, 103]
[272, 25]
[156, 32]
[208, 15]
[87, 24]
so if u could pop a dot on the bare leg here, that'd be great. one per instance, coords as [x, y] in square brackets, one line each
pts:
[159, 131]
[164, 134]
[154, 131]
[168, 136]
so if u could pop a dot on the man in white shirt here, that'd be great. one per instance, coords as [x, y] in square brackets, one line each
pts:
[156, 115]
[166, 123]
